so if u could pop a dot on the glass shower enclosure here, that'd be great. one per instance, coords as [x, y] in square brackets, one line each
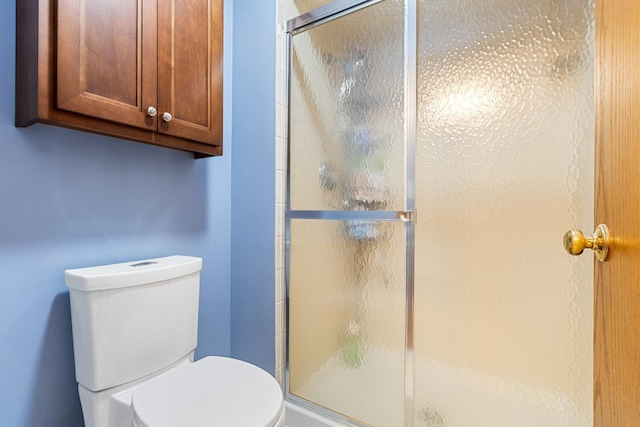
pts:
[437, 151]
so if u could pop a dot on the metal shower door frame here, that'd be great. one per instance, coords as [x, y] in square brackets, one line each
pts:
[302, 23]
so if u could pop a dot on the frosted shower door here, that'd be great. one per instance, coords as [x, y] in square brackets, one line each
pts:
[346, 327]
[347, 244]
[347, 112]
[504, 165]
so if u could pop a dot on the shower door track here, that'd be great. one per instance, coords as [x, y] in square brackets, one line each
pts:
[299, 24]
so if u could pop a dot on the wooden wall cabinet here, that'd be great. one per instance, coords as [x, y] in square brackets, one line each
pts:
[144, 70]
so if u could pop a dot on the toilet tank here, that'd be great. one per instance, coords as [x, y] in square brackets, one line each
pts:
[132, 319]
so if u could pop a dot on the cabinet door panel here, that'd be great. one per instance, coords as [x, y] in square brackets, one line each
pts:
[190, 69]
[107, 66]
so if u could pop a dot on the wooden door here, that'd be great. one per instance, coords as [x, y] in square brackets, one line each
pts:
[190, 69]
[107, 59]
[617, 281]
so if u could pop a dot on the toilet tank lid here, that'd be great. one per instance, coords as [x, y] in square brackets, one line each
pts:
[133, 273]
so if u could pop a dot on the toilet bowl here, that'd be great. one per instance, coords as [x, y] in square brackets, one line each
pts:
[214, 391]
[134, 335]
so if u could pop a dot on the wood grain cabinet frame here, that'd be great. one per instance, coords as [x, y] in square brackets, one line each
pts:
[100, 65]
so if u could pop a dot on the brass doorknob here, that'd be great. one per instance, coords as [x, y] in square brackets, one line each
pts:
[575, 242]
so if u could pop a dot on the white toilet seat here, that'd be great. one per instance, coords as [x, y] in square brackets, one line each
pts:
[214, 391]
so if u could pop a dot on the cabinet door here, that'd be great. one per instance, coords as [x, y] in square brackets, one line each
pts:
[107, 59]
[190, 69]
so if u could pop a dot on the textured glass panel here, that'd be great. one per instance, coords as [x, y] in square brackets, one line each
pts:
[347, 119]
[504, 166]
[346, 317]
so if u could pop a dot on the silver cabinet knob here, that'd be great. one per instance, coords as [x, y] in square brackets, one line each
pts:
[167, 117]
[152, 112]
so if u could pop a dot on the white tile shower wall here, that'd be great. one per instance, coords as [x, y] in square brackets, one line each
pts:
[280, 163]
[285, 9]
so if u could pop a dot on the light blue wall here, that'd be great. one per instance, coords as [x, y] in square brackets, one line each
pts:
[70, 199]
[253, 183]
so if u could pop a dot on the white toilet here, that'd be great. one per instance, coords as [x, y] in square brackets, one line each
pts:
[134, 333]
